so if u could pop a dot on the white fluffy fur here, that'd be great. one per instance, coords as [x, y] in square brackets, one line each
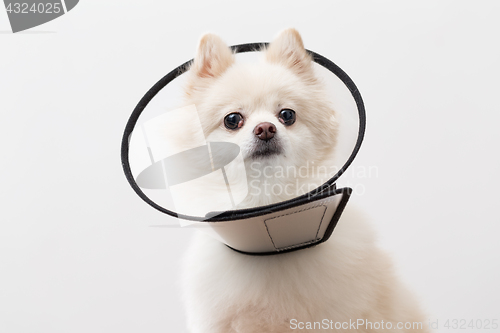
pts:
[345, 278]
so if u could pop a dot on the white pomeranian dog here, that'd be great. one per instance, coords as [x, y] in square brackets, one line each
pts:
[277, 112]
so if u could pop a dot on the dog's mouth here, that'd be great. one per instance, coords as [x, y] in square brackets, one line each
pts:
[265, 149]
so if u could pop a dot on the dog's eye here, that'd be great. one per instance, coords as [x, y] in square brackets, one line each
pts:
[287, 116]
[233, 121]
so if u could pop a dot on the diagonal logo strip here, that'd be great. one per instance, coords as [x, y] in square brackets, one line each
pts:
[26, 14]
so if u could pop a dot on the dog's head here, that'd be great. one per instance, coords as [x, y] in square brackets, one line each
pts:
[276, 110]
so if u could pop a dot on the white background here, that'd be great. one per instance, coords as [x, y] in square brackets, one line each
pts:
[77, 253]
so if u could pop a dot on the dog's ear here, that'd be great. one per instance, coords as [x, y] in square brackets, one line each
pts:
[288, 49]
[212, 58]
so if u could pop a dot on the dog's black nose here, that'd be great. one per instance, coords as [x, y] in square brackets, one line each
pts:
[264, 131]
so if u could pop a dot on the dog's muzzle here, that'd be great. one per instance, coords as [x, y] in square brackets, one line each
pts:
[167, 178]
